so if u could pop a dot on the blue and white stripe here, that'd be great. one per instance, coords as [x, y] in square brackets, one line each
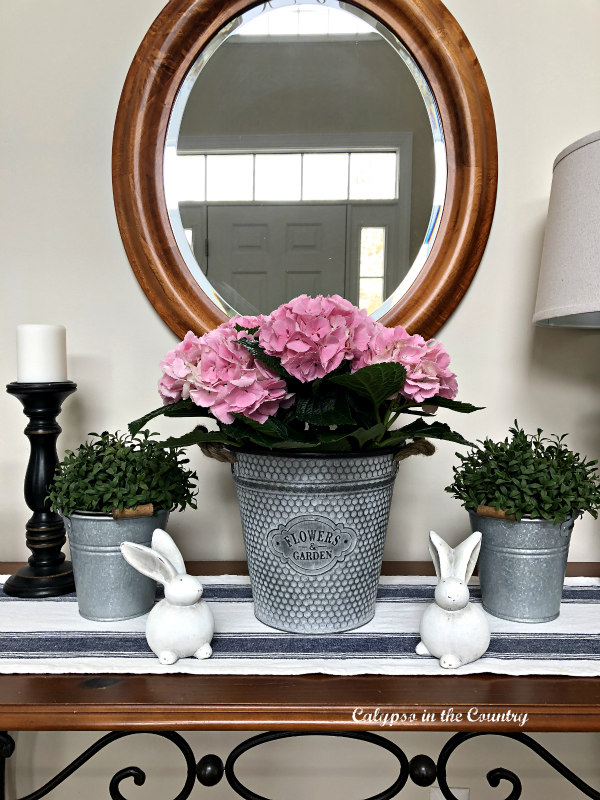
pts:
[50, 636]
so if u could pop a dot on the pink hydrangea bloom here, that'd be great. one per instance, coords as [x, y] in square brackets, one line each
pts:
[426, 362]
[177, 367]
[248, 322]
[228, 380]
[437, 363]
[313, 335]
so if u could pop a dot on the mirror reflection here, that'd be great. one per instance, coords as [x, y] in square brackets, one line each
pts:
[304, 154]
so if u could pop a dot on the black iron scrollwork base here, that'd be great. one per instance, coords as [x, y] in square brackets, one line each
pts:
[421, 769]
[500, 774]
[7, 748]
[371, 738]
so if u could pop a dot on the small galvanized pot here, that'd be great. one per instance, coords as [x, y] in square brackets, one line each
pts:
[522, 566]
[314, 528]
[107, 587]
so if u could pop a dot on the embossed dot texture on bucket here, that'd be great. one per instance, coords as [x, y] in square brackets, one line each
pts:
[309, 502]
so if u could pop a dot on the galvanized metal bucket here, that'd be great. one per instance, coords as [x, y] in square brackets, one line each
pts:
[107, 587]
[522, 566]
[314, 528]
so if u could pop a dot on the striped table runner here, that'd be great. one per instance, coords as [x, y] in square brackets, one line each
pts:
[49, 636]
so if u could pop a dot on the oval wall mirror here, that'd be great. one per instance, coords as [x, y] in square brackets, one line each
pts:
[262, 152]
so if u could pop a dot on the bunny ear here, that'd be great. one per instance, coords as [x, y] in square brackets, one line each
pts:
[148, 562]
[163, 544]
[465, 556]
[441, 555]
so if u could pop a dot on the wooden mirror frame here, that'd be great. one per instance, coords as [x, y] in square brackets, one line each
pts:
[169, 49]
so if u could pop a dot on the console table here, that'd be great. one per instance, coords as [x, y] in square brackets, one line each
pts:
[306, 703]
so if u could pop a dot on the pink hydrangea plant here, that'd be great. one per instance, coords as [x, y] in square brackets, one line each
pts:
[253, 367]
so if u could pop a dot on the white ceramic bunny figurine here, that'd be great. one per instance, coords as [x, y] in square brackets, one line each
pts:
[182, 624]
[452, 629]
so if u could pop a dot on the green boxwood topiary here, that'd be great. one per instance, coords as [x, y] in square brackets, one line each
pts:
[117, 472]
[527, 476]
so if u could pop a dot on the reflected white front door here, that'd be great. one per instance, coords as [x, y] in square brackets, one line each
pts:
[269, 254]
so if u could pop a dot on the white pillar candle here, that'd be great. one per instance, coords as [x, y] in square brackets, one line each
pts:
[41, 353]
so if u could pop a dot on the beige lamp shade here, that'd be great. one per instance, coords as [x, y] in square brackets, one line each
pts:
[569, 286]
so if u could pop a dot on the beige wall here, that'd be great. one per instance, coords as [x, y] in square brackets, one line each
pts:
[62, 65]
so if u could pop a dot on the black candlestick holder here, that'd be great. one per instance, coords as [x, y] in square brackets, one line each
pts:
[47, 573]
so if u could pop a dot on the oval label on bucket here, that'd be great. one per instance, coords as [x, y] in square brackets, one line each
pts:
[310, 544]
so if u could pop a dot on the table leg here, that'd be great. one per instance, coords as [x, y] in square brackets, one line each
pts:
[7, 748]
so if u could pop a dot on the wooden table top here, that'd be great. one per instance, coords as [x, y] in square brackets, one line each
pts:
[306, 702]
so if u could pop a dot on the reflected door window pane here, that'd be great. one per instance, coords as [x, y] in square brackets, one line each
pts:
[372, 252]
[371, 268]
[229, 177]
[278, 177]
[325, 176]
[370, 294]
[342, 22]
[373, 176]
[185, 178]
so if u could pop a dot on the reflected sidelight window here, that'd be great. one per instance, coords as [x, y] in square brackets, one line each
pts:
[371, 271]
